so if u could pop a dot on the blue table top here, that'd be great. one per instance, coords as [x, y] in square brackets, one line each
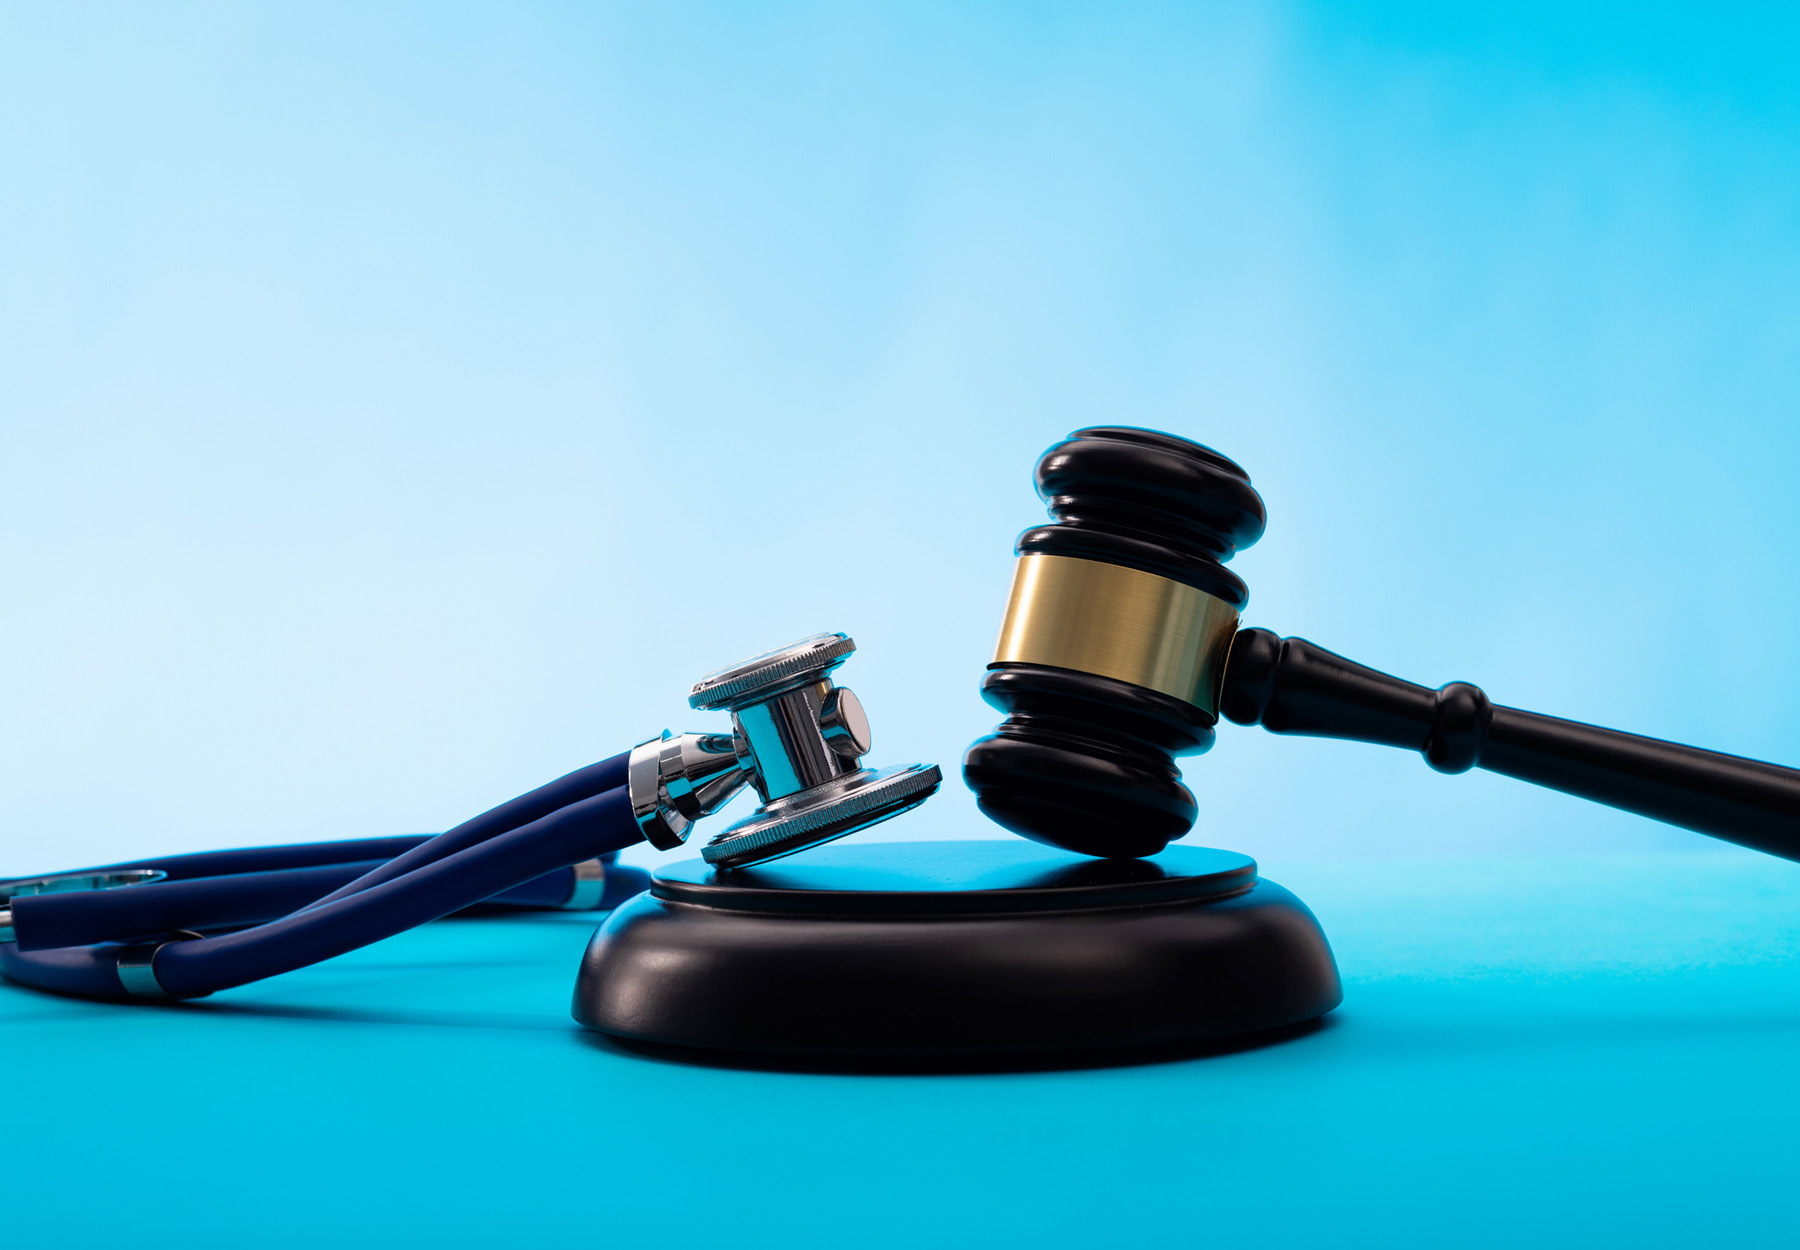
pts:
[1529, 1053]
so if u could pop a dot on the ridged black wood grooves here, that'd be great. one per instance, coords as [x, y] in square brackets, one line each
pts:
[1085, 762]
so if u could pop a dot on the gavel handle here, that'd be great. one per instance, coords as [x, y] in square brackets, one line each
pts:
[1290, 686]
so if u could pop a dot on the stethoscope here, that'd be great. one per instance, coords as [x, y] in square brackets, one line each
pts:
[189, 925]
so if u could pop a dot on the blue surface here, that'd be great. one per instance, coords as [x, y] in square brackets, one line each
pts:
[1598, 1052]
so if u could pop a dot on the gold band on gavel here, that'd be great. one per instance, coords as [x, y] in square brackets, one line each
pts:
[1117, 622]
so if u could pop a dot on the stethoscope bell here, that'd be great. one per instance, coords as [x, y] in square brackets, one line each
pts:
[797, 740]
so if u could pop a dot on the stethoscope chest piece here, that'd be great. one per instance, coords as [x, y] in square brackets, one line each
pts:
[797, 739]
[829, 811]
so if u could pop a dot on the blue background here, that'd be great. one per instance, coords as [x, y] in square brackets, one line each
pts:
[402, 405]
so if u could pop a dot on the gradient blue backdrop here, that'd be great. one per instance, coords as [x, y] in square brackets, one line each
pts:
[401, 406]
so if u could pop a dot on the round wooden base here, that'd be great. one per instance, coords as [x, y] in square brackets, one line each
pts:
[956, 948]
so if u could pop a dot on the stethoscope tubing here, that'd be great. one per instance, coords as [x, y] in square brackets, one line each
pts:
[582, 784]
[575, 818]
[243, 860]
[207, 904]
[201, 904]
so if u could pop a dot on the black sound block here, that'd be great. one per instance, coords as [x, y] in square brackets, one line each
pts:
[956, 948]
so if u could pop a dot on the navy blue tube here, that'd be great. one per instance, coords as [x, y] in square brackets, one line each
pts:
[83, 917]
[593, 827]
[621, 883]
[583, 783]
[550, 890]
[271, 858]
[85, 971]
[93, 971]
[524, 847]
[205, 904]
[578, 831]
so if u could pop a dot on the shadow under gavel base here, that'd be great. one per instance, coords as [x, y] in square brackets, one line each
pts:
[956, 949]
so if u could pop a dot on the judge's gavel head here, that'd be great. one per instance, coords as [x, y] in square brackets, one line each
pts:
[1114, 642]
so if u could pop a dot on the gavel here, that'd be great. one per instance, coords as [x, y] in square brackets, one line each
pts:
[1120, 649]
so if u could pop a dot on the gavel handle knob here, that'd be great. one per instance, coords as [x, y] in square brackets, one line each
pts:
[1290, 686]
